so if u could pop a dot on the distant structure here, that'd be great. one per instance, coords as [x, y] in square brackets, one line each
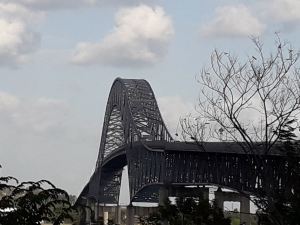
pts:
[135, 135]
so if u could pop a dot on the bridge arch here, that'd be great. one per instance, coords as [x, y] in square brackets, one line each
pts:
[131, 115]
[134, 134]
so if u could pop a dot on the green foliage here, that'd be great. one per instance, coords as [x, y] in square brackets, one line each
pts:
[235, 221]
[31, 203]
[110, 222]
[187, 211]
[281, 207]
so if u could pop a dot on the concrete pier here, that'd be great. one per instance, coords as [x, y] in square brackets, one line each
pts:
[88, 211]
[221, 197]
[130, 215]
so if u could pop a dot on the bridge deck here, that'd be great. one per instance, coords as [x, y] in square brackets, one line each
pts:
[209, 147]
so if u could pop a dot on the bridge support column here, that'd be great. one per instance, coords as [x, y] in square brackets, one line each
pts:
[82, 216]
[219, 198]
[105, 217]
[245, 211]
[93, 205]
[130, 215]
[97, 212]
[163, 195]
[205, 192]
[88, 211]
[118, 215]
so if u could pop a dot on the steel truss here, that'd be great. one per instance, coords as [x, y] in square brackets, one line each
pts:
[134, 134]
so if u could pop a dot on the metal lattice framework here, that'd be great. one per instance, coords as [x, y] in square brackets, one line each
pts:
[131, 115]
[134, 134]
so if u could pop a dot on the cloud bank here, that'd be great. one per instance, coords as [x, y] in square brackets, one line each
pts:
[174, 108]
[233, 21]
[41, 136]
[53, 4]
[140, 37]
[33, 115]
[282, 10]
[17, 39]
[71, 4]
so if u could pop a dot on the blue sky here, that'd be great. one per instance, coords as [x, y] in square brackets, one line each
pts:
[58, 59]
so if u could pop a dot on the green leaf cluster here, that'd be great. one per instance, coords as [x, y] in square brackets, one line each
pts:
[31, 203]
[187, 211]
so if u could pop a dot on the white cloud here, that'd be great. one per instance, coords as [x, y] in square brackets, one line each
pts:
[282, 10]
[70, 4]
[40, 137]
[40, 115]
[233, 21]
[53, 4]
[8, 101]
[17, 39]
[140, 37]
[17, 11]
[33, 115]
[172, 109]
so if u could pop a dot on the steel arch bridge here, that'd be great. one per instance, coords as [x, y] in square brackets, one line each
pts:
[134, 134]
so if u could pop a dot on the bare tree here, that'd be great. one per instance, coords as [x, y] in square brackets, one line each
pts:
[194, 129]
[247, 102]
[254, 104]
